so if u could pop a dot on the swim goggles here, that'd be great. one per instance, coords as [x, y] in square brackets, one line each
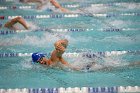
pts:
[41, 59]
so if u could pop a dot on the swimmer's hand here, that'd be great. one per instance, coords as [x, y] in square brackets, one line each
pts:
[66, 64]
[28, 28]
[59, 47]
[39, 7]
[64, 10]
[74, 68]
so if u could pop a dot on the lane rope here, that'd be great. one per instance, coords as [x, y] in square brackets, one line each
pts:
[67, 5]
[6, 32]
[70, 15]
[74, 54]
[113, 89]
[108, 24]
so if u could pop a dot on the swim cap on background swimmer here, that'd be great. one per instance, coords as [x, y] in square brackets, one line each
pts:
[37, 56]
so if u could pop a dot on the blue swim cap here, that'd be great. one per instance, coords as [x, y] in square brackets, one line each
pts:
[37, 56]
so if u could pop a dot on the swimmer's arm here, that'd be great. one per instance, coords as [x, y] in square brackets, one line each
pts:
[14, 21]
[22, 22]
[36, 1]
[57, 5]
[61, 45]
[64, 62]
[68, 65]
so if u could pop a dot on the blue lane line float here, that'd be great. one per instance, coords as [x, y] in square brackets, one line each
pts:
[24, 90]
[74, 54]
[69, 15]
[45, 90]
[129, 89]
[6, 32]
[103, 90]
[71, 5]
[120, 89]
[6, 0]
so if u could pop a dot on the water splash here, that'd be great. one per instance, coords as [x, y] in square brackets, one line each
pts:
[117, 39]
[26, 64]
[119, 23]
[131, 5]
[107, 63]
[31, 26]
[10, 42]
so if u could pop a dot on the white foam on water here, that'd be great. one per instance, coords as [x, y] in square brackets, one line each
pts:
[49, 39]
[117, 39]
[26, 63]
[131, 5]
[119, 23]
[108, 23]
[97, 9]
[42, 41]
[48, 5]
[77, 11]
[79, 39]
[31, 25]
[109, 63]
[113, 61]
[10, 42]
[94, 9]
[95, 64]
[137, 37]
[80, 62]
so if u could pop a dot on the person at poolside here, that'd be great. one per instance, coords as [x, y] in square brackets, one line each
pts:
[10, 24]
[56, 55]
[44, 2]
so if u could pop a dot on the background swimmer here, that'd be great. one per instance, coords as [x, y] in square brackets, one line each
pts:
[44, 2]
[10, 24]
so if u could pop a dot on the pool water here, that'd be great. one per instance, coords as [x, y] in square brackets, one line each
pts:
[19, 72]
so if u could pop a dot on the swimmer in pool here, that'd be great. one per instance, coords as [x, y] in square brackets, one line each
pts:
[44, 2]
[56, 55]
[10, 24]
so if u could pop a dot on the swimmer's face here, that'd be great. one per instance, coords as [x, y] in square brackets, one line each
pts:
[41, 60]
